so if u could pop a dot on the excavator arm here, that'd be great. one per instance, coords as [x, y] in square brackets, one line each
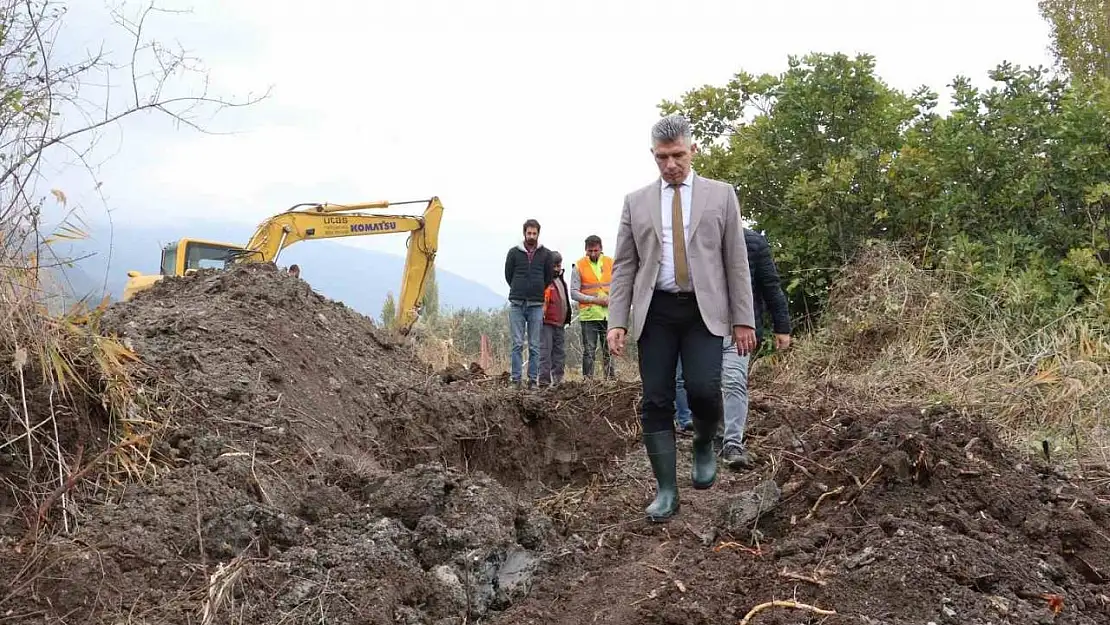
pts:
[419, 263]
[329, 221]
[316, 221]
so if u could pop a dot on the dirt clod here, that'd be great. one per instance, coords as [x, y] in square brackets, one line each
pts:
[741, 511]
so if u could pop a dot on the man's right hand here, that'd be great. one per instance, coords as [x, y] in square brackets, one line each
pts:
[603, 300]
[744, 339]
[615, 338]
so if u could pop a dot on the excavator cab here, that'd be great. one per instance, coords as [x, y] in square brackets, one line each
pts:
[184, 255]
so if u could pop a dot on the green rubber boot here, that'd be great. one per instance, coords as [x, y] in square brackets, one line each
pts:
[704, 470]
[661, 452]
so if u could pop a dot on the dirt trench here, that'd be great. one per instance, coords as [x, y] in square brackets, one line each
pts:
[317, 472]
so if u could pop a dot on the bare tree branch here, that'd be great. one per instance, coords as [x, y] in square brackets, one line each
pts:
[33, 87]
[56, 104]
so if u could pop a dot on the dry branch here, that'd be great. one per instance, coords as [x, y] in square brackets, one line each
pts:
[220, 585]
[802, 578]
[784, 604]
[755, 551]
[859, 491]
[831, 493]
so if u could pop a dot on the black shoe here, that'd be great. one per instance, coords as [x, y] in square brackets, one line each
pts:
[704, 471]
[661, 452]
[736, 457]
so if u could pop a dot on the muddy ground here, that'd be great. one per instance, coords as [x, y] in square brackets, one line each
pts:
[892, 516]
[319, 473]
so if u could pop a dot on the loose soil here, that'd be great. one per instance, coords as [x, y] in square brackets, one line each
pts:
[890, 516]
[320, 473]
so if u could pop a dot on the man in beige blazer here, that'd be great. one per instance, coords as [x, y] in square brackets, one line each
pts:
[680, 284]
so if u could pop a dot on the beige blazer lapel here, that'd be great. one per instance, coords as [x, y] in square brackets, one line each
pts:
[699, 196]
[655, 205]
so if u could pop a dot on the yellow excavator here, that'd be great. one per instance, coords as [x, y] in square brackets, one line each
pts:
[314, 221]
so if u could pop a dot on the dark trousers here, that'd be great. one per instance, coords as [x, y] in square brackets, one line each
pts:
[552, 354]
[593, 338]
[674, 327]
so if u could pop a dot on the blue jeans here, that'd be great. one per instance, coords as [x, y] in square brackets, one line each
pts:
[523, 317]
[682, 408]
[734, 392]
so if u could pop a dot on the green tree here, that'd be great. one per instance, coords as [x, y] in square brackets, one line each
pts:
[1080, 36]
[1010, 189]
[1007, 189]
[389, 310]
[431, 297]
[808, 151]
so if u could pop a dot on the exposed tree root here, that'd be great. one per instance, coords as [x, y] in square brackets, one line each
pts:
[785, 604]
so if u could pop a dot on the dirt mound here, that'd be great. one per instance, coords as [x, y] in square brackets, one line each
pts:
[322, 474]
[318, 469]
[270, 361]
[885, 517]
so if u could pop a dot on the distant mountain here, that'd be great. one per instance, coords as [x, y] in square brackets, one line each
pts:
[357, 277]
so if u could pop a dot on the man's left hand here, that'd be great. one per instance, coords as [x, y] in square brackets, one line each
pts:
[744, 337]
[782, 341]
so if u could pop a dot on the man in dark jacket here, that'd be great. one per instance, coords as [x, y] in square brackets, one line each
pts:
[767, 289]
[767, 293]
[556, 318]
[529, 268]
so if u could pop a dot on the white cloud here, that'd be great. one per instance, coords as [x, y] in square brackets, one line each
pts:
[505, 109]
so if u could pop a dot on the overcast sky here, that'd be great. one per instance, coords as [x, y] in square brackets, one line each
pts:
[505, 109]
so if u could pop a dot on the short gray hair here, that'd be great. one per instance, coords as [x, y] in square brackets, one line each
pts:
[670, 129]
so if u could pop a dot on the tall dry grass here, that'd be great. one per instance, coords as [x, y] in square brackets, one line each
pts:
[76, 417]
[894, 333]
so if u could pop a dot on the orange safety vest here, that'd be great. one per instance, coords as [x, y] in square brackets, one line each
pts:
[591, 284]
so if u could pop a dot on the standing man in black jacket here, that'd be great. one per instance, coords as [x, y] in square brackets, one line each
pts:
[529, 268]
[766, 293]
[767, 289]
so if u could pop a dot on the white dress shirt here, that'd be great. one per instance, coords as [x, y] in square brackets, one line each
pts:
[666, 279]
